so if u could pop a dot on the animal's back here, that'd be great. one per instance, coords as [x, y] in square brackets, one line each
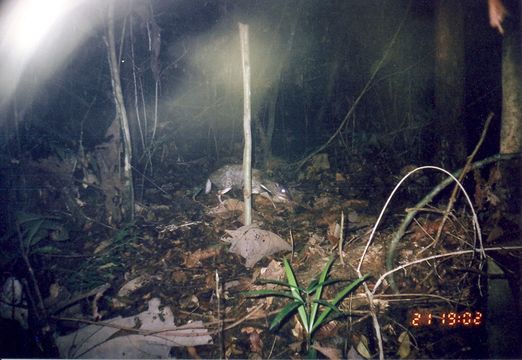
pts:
[231, 177]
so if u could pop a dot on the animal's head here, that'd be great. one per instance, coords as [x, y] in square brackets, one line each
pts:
[277, 192]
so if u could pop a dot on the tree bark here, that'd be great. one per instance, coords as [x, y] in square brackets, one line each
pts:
[511, 129]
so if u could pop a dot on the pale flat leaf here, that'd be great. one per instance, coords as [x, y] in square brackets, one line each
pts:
[362, 347]
[253, 243]
[404, 347]
[101, 341]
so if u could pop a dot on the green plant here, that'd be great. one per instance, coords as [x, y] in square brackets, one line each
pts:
[26, 238]
[307, 302]
[106, 263]
[34, 228]
[28, 233]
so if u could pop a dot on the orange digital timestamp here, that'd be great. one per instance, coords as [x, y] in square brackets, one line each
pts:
[446, 318]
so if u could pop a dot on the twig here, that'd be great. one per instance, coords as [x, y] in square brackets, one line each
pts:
[272, 348]
[42, 313]
[182, 329]
[421, 204]
[454, 253]
[220, 324]
[63, 304]
[341, 239]
[464, 172]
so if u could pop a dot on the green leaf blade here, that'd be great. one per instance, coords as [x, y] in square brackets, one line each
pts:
[286, 311]
[319, 292]
[337, 299]
[263, 293]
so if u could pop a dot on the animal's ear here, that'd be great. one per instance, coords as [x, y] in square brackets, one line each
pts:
[266, 189]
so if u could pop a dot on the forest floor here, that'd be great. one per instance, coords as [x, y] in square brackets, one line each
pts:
[166, 262]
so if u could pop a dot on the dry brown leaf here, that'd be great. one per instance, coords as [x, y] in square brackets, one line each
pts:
[210, 280]
[298, 330]
[322, 201]
[274, 271]
[328, 330]
[339, 177]
[330, 352]
[355, 203]
[248, 330]
[295, 346]
[333, 233]
[178, 276]
[227, 207]
[193, 352]
[193, 259]
[256, 344]
[231, 348]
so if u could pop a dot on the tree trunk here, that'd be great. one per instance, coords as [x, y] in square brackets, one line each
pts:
[511, 130]
[449, 82]
[127, 195]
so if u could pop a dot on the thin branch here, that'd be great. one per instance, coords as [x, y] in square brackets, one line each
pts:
[464, 172]
[454, 253]
[421, 204]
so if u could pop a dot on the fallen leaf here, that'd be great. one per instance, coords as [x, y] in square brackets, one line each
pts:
[178, 276]
[227, 208]
[296, 346]
[362, 347]
[496, 233]
[298, 330]
[404, 347]
[99, 340]
[193, 352]
[330, 352]
[253, 243]
[193, 259]
[353, 354]
[256, 344]
[327, 330]
[133, 285]
[102, 246]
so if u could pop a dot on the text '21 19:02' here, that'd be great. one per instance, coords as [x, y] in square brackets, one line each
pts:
[446, 319]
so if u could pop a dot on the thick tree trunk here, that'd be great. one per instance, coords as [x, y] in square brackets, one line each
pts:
[511, 130]
[449, 82]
